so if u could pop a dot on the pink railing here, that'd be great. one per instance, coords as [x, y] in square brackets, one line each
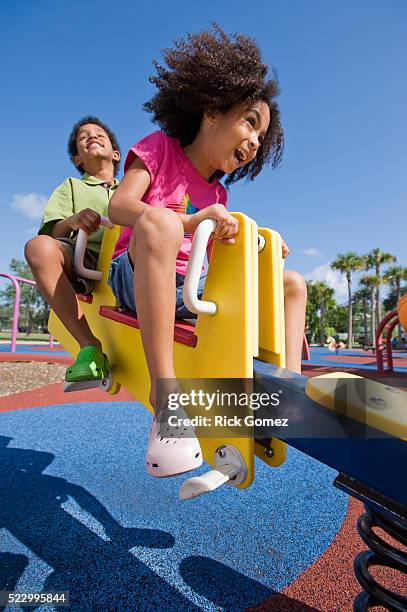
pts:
[16, 280]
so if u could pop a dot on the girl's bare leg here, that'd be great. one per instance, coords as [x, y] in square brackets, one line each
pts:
[153, 249]
[295, 301]
[52, 268]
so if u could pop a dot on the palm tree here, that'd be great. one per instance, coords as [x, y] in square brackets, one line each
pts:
[394, 276]
[371, 282]
[375, 259]
[346, 264]
[319, 294]
[363, 295]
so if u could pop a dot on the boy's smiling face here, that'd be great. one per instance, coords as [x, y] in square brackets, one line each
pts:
[93, 144]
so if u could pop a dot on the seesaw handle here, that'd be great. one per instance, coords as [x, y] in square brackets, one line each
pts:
[80, 249]
[195, 263]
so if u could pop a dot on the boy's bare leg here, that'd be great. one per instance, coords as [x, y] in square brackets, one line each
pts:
[51, 267]
[159, 237]
[295, 301]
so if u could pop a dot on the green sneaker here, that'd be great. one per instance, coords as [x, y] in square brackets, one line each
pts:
[90, 365]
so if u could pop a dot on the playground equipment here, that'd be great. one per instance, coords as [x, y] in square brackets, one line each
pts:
[16, 280]
[357, 427]
[402, 311]
[384, 349]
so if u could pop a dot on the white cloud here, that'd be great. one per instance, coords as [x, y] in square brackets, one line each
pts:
[311, 252]
[333, 278]
[30, 204]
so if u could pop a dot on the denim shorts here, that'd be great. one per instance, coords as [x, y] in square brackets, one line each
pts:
[90, 261]
[121, 282]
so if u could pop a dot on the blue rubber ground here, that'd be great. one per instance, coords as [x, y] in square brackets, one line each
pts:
[79, 513]
[35, 349]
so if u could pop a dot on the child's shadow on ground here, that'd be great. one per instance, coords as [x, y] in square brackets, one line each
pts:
[99, 574]
[231, 591]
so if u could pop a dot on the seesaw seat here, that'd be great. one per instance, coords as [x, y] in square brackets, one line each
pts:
[183, 332]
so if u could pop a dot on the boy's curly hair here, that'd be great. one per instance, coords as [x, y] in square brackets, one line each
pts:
[72, 149]
[211, 70]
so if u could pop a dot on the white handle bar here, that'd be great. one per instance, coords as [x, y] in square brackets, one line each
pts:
[196, 260]
[80, 249]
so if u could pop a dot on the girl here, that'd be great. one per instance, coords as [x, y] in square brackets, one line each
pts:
[218, 116]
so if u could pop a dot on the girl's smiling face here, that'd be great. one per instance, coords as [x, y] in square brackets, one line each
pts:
[236, 136]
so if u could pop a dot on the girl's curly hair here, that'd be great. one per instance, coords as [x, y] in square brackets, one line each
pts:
[211, 70]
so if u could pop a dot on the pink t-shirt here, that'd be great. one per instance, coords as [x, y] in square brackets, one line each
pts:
[175, 183]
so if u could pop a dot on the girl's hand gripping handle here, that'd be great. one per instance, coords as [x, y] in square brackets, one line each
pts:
[196, 260]
[80, 249]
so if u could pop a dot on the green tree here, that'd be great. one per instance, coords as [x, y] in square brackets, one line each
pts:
[362, 297]
[33, 307]
[340, 319]
[371, 282]
[375, 259]
[346, 264]
[390, 302]
[320, 302]
[6, 315]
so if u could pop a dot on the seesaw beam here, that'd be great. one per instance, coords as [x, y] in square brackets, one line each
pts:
[338, 437]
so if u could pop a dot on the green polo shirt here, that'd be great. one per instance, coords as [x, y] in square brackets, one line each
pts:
[73, 196]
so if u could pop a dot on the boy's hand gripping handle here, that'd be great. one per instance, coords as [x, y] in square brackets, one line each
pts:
[194, 269]
[80, 249]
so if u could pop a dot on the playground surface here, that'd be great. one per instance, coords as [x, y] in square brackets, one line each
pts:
[357, 358]
[34, 352]
[79, 514]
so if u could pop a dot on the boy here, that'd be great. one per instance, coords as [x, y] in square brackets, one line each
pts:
[74, 205]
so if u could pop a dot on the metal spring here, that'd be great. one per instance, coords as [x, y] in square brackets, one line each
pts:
[381, 554]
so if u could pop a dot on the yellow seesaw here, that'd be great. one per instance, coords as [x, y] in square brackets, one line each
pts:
[241, 323]
[249, 322]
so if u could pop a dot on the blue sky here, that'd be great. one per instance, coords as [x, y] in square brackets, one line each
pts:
[342, 68]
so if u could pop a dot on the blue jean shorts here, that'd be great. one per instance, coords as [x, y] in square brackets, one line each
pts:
[121, 282]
